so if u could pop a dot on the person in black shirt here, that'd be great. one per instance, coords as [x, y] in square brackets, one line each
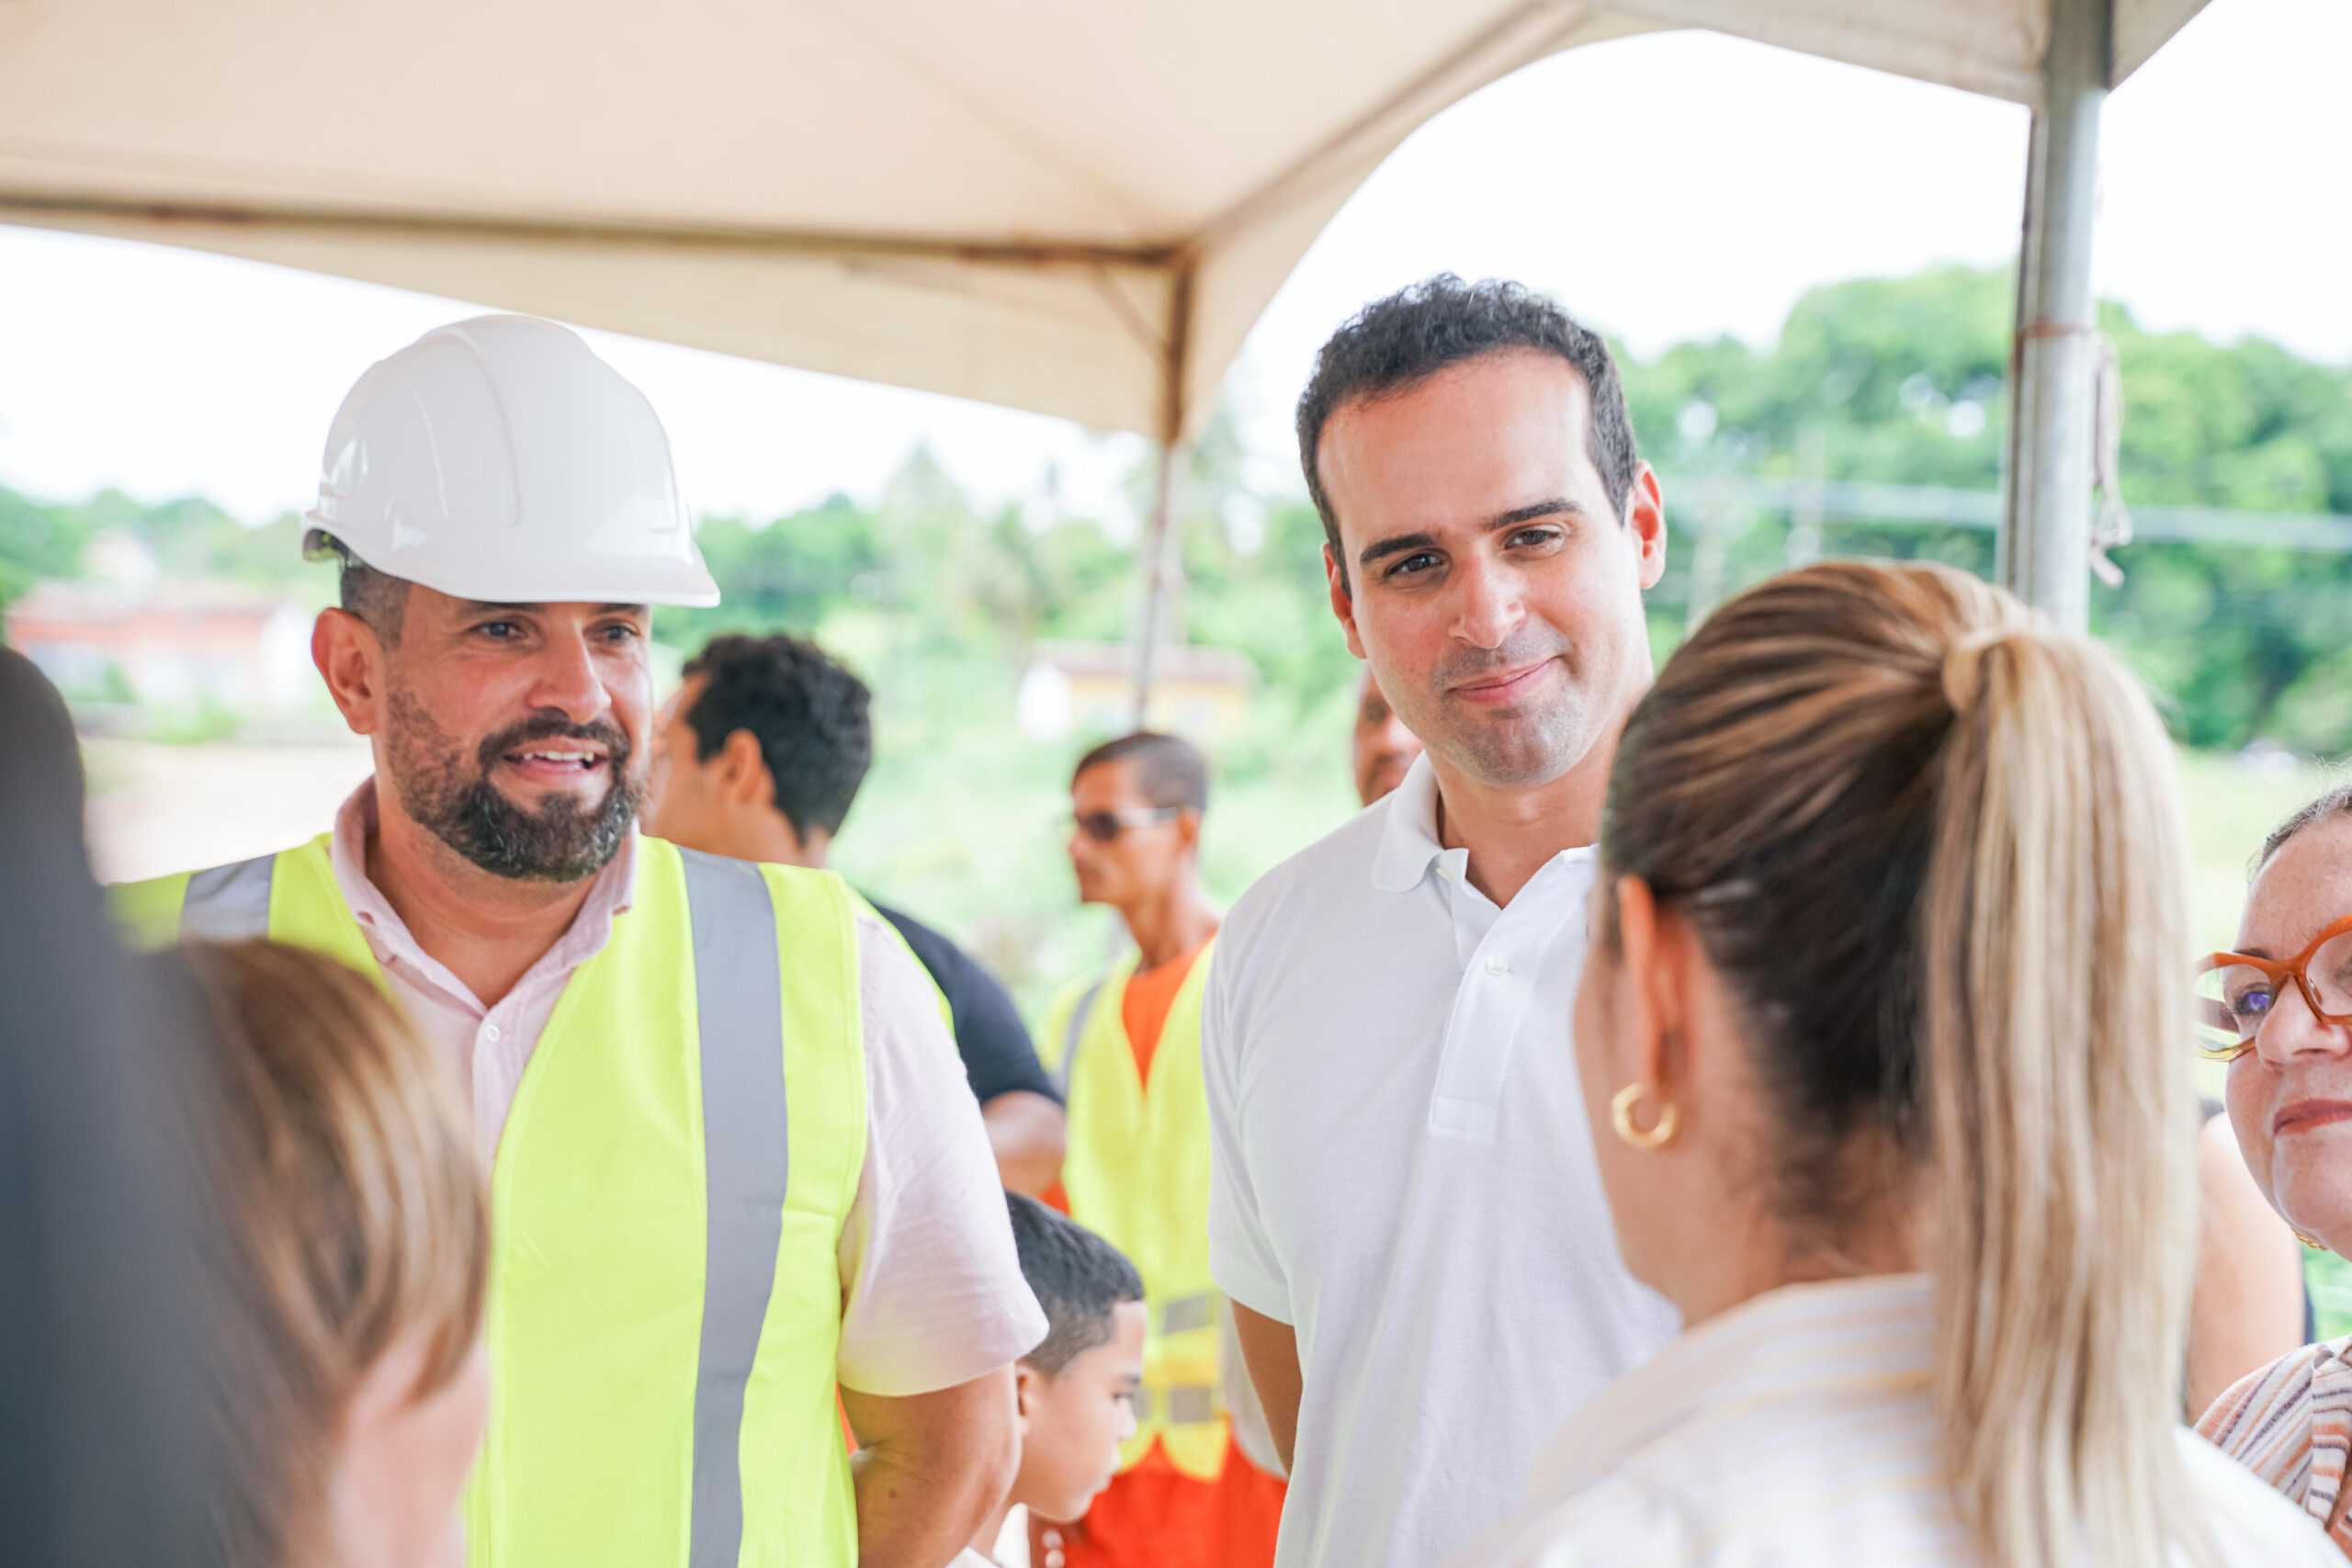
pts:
[758, 757]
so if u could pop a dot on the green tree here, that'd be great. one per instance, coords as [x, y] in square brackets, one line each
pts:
[1899, 381]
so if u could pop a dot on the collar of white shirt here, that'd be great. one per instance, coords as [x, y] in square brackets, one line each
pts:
[1409, 840]
[1792, 1341]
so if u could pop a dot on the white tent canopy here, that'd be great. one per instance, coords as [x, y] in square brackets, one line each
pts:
[1064, 206]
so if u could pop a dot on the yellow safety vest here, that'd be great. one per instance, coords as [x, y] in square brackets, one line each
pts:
[1137, 1174]
[667, 1203]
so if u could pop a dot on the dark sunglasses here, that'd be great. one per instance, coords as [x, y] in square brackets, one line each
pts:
[1104, 827]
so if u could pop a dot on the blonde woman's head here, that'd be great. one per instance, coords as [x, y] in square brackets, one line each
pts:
[356, 1255]
[1887, 945]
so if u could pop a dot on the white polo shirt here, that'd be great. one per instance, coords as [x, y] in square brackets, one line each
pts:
[1403, 1173]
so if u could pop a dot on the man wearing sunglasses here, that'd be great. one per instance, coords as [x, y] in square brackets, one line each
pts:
[1125, 1046]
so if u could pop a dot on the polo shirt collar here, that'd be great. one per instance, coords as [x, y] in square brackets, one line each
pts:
[1408, 843]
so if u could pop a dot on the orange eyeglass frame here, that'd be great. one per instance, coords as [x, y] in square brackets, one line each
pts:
[2280, 969]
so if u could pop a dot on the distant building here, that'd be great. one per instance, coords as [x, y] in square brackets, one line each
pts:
[172, 647]
[1087, 688]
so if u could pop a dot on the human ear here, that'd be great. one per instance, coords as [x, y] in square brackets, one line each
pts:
[1342, 605]
[350, 660]
[401, 1459]
[743, 777]
[1654, 943]
[1024, 1396]
[1645, 516]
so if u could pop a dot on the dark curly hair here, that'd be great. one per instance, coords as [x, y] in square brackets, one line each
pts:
[809, 714]
[1393, 345]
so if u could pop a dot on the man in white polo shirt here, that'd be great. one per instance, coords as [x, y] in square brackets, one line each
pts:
[1405, 1210]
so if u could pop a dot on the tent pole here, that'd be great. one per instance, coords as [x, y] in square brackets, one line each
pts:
[1160, 563]
[1152, 629]
[2044, 546]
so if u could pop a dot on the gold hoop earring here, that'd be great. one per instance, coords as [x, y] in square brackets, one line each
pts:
[1621, 1116]
[2315, 1246]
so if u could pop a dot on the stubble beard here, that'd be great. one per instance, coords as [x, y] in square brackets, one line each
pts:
[1535, 743]
[453, 797]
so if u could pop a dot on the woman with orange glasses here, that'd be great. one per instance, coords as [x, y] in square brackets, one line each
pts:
[2279, 1012]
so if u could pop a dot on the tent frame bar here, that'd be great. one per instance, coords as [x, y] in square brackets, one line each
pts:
[2044, 548]
[1157, 256]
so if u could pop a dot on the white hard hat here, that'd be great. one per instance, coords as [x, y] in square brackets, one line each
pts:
[500, 459]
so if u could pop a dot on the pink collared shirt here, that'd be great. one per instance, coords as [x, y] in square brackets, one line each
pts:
[932, 1293]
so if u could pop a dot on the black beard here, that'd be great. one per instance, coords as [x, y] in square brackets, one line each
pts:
[560, 841]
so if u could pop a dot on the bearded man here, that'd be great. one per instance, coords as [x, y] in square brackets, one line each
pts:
[1404, 1210]
[734, 1164]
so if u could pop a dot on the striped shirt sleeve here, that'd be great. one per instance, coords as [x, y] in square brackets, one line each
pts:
[2290, 1424]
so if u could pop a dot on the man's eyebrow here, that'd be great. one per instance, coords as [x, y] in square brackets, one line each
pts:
[1395, 545]
[1550, 506]
[498, 607]
[623, 609]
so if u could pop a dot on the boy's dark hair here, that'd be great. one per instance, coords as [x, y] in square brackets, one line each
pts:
[1170, 770]
[1079, 1279]
[809, 714]
[1393, 345]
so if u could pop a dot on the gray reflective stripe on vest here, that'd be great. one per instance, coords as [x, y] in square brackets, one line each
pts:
[229, 903]
[1190, 1405]
[738, 997]
[1070, 1037]
[1186, 1313]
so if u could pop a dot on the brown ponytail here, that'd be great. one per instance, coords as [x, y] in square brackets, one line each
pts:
[1934, 850]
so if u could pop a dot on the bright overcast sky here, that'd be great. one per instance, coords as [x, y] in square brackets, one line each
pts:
[1663, 187]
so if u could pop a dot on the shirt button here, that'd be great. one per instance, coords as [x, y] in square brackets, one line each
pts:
[490, 1032]
[1497, 964]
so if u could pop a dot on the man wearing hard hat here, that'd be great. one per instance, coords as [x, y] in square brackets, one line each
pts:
[735, 1163]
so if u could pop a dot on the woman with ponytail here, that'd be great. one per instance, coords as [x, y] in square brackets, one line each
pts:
[1881, 1035]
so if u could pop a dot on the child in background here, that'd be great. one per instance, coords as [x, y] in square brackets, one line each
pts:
[1076, 1389]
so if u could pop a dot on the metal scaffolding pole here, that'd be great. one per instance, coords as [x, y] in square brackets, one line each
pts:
[2045, 541]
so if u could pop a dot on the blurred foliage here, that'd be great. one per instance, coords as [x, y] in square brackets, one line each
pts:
[1894, 380]
[938, 600]
[190, 540]
[1901, 382]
